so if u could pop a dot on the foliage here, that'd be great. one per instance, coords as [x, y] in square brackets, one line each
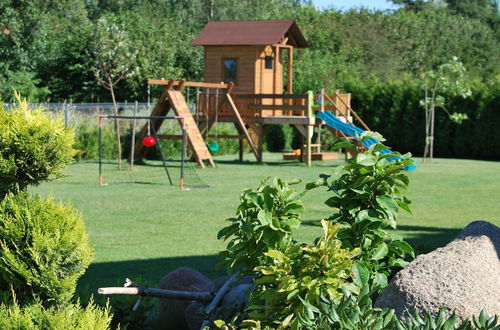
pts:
[33, 147]
[357, 312]
[36, 316]
[44, 249]
[290, 289]
[23, 83]
[367, 194]
[113, 52]
[449, 78]
[264, 221]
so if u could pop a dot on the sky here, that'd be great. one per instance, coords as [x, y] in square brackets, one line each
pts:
[348, 4]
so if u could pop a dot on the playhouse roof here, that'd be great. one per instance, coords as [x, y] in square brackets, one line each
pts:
[269, 32]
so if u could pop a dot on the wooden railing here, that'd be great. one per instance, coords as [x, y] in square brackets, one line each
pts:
[341, 108]
[211, 103]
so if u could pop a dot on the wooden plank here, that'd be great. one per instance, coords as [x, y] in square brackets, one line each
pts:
[187, 83]
[290, 71]
[179, 137]
[290, 120]
[277, 107]
[241, 124]
[302, 129]
[270, 96]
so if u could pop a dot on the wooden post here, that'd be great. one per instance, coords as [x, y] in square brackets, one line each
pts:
[289, 85]
[275, 78]
[322, 109]
[310, 127]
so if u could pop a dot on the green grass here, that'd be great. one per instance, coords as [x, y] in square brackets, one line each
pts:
[145, 231]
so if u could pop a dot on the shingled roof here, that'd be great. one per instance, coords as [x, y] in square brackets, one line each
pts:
[269, 32]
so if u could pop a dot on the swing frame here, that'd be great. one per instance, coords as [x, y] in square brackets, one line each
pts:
[155, 135]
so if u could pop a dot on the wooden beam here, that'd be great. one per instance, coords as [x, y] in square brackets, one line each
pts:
[187, 83]
[302, 129]
[277, 107]
[290, 120]
[269, 96]
[179, 137]
[241, 124]
[310, 127]
[289, 85]
[275, 78]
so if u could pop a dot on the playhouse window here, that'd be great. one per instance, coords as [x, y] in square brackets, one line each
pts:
[229, 70]
[268, 62]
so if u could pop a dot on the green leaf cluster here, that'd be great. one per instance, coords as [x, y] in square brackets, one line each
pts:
[33, 147]
[367, 195]
[36, 316]
[44, 249]
[264, 221]
[299, 279]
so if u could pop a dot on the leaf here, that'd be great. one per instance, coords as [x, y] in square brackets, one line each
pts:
[371, 135]
[380, 252]
[361, 274]
[264, 217]
[287, 320]
[483, 317]
[227, 231]
[277, 255]
[366, 160]
[405, 247]
[293, 207]
[450, 323]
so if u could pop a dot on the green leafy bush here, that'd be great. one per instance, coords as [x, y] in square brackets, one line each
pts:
[367, 194]
[264, 220]
[33, 147]
[36, 316]
[44, 249]
[289, 290]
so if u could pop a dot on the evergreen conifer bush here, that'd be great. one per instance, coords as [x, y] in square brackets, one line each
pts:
[33, 147]
[44, 249]
[35, 317]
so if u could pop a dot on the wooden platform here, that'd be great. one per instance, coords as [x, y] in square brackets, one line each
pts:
[314, 156]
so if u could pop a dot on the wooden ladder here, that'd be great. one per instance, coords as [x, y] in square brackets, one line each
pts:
[178, 103]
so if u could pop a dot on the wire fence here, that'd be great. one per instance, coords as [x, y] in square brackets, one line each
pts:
[73, 112]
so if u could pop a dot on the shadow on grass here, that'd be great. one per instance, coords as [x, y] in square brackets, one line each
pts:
[147, 271]
[275, 163]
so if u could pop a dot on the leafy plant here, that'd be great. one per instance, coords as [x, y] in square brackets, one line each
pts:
[264, 221]
[289, 291]
[33, 147]
[36, 316]
[367, 195]
[44, 249]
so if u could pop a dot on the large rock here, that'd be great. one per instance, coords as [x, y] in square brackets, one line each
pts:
[173, 312]
[464, 276]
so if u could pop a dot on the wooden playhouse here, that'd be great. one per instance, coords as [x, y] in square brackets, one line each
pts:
[248, 81]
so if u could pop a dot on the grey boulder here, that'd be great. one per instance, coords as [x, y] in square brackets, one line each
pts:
[463, 276]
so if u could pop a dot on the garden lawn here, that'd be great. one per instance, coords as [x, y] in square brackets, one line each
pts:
[143, 231]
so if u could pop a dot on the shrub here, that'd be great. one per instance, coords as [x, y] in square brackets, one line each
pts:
[36, 316]
[33, 147]
[289, 291]
[367, 195]
[44, 249]
[264, 220]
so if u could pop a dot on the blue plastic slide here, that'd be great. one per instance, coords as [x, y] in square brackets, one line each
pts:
[331, 120]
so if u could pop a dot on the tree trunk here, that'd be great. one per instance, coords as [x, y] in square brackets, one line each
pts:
[431, 153]
[117, 124]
